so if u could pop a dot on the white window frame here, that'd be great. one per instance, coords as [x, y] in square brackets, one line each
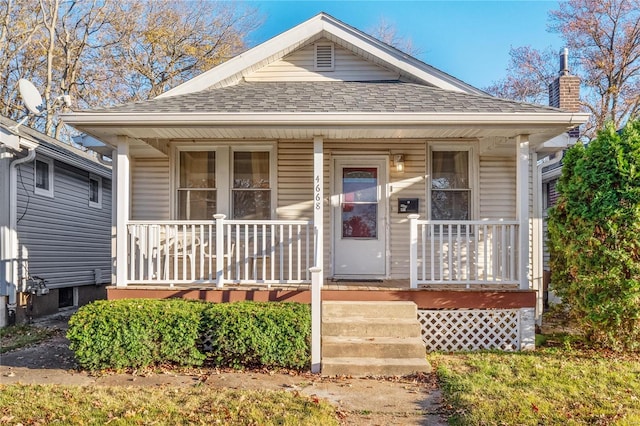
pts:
[47, 192]
[95, 204]
[474, 176]
[224, 172]
[316, 67]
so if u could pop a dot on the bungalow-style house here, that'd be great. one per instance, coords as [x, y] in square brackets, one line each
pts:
[326, 154]
[55, 224]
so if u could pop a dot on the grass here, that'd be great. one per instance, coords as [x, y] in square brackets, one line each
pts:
[18, 336]
[553, 385]
[198, 405]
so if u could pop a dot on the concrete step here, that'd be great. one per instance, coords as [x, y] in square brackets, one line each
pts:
[362, 367]
[372, 347]
[340, 309]
[358, 327]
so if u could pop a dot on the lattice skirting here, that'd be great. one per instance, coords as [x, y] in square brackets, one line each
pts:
[473, 329]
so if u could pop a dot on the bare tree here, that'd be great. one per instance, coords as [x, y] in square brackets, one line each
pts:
[165, 43]
[603, 36]
[387, 32]
[104, 52]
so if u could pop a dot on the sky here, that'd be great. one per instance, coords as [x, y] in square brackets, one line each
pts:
[468, 39]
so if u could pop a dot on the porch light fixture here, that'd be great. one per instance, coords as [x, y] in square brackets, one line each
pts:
[398, 160]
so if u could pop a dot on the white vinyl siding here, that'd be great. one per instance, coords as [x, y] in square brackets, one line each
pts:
[150, 189]
[300, 66]
[497, 187]
[61, 239]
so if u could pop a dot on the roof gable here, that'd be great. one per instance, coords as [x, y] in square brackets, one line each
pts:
[321, 26]
[300, 66]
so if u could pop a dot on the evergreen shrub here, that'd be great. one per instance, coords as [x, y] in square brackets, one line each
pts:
[594, 237]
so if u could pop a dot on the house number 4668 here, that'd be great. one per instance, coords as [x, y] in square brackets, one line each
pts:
[317, 191]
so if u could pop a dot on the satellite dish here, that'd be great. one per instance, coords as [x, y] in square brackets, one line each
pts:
[30, 96]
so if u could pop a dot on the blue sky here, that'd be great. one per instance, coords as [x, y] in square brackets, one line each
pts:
[467, 39]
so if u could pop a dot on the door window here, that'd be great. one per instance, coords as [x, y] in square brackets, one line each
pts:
[359, 202]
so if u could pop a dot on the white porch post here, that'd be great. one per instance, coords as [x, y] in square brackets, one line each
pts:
[317, 276]
[318, 200]
[219, 249]
[522, 207]
[413, 250]
[123, 201]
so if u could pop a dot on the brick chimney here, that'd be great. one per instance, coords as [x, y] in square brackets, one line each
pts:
[564, 91]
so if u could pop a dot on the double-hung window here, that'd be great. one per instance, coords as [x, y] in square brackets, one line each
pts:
[251, 185]
[197, 185]
[452, 171]
[43, 177]
[236, 182]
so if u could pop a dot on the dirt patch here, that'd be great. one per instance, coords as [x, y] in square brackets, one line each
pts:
[358, 401]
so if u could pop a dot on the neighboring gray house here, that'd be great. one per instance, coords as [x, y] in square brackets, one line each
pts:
[55, 224]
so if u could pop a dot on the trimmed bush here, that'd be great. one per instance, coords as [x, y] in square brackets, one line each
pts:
[136, 333]
[250, 334]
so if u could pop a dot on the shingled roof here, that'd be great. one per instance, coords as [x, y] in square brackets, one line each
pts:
[330, 97]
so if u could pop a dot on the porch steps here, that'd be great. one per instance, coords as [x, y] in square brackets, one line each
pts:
[371, 339]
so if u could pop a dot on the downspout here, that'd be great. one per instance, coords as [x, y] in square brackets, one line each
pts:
[539, 253]
[12, 244]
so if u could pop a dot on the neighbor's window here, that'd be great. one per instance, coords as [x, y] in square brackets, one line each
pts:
[251, 192]
[95, 191]
[450, 188]
[43, 182]
[197, 186]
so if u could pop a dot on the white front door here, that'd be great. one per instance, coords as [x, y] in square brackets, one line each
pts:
[359, 217]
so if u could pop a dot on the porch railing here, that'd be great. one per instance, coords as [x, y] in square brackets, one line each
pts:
[464, 252]
[219, 251]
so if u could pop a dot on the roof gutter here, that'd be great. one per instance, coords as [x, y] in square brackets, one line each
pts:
[110, 119]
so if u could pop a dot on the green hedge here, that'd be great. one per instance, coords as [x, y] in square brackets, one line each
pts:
[133, 333]
[249, 334]
[136, 333]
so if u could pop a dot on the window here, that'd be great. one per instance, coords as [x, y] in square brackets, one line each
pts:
[197, 185]
[95, 191]
[450, 192]
[234, 181]
[43, 172]
[251, 185]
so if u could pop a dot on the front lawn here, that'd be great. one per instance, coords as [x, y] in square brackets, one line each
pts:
[553, 385]
[200, 405]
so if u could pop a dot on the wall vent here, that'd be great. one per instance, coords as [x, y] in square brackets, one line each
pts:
[324, 59]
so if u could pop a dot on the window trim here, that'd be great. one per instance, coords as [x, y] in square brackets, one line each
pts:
[474, 177]
[95, 204]
[48, 192]
[224, 172]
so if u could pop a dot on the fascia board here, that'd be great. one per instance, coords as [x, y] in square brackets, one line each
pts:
[343, 118]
